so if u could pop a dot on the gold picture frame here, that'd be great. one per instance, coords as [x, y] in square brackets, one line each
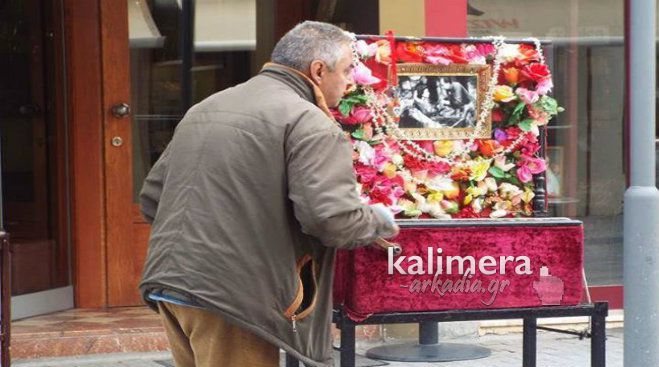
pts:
[442, 102]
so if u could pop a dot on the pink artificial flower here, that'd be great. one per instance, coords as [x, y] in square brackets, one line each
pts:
[365, 174]
[478, 53]
[524, 174]
[396, 193]
[437, 54]
[381, 158]
[527, 96]
[544, 86]
[535, 165]
[362, 75]
[359, 115]
[427, 145]
[540, 117]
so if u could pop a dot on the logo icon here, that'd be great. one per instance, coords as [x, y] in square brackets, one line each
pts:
[550, 289]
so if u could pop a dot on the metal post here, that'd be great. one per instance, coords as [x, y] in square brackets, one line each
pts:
[428, 333]
[187, 52]
[598, 341]
[641, 208]
[529, 350]
[347, 342]
[5, 284]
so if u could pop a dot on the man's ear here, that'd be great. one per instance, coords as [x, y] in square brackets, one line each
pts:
[317, 71]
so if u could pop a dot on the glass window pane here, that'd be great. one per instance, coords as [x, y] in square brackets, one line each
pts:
[222, 57]
[586, 176]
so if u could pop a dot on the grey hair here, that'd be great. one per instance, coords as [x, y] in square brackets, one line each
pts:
[310, 41]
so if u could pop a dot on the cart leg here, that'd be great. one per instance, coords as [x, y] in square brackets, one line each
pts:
[529, 345]
[347, 344]
[598, 341]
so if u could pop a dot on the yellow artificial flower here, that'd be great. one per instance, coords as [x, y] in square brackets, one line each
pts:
[528, 195]
[504, 93]
[467, 199]
[435, 196]
[453, 192]
[479, 169]
[443, 147]
[389, 170]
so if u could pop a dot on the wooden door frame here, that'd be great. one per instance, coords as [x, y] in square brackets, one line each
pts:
[83, 48]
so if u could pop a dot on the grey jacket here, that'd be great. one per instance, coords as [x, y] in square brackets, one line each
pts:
[248, 204]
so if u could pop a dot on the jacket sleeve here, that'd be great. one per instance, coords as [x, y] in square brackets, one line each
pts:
[322, 187]
[152, 187]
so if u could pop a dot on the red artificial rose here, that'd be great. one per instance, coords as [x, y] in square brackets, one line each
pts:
[413, 164]
[409, 52]
[438, 168]
[535, 72]
[497, 115]
[366, 175]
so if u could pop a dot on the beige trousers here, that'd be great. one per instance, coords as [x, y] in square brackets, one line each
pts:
[199, 338]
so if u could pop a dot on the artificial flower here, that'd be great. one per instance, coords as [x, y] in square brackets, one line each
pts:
[507, 191]
[524, 174]
[500, 162]
[498, 213]
[363, 75]
[365, 50]
[449, 206]
[478, 54]
[528, 195]
[497, 115]
[435, 196]
[535, 165]
[511, 75]
[544, 86]
[500, 135]
[461, 173]
[441, 184]
[479, 169]
[409, 52]
[366, 152]
[509, 52]
[453, 192]
[358, 115]
[535, 72]
[491, 184]
[503, 93]
[488, 147]
[389, 170]
[527, 96]
[383, 52]
[443, 147]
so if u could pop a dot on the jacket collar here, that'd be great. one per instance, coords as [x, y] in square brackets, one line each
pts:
[300, 83]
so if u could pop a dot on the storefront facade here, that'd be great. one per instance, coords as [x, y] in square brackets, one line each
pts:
[107, 83]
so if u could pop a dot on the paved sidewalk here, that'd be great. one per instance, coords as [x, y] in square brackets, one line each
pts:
[554, 350]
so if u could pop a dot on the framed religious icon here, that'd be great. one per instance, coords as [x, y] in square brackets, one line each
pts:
[443, 101]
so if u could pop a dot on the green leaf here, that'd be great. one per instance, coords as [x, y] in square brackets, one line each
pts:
[549, 105]
[516, 115]
[345, 108]
[496, 172]
[358, 134]
[526, 125]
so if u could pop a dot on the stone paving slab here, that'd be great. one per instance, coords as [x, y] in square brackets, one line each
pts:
[554, 350]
